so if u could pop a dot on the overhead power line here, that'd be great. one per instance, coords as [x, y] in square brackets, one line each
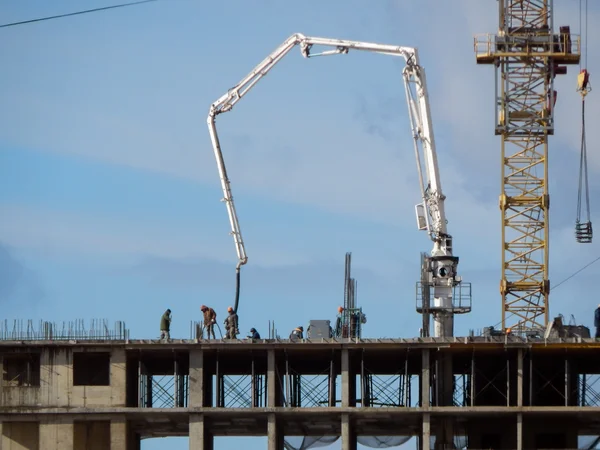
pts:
[566, 279]
[74, 13]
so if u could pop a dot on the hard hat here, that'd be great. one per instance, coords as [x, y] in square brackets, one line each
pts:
[229, 309]
[340, 309]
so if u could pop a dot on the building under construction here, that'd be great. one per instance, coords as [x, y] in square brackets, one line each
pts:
[97, 391]
[531, 385]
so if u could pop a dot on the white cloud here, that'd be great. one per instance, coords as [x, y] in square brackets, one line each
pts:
[296, 138]
[50, 230]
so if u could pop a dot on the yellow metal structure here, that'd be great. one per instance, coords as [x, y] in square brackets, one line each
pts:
[527, 55]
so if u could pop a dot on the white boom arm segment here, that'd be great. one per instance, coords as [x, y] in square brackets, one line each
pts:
[430, 213]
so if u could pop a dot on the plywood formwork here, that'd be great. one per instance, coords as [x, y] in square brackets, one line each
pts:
[327, 388]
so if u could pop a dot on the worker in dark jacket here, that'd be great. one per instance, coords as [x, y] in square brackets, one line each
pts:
[210, 320]
[597, 322]
[165, 325]
[253, 334]
[231, 324]
[297, 334]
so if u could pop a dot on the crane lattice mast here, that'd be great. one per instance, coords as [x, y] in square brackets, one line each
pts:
[527, 55]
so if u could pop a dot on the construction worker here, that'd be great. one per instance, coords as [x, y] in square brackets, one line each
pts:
[297, 334]
[597, 322]
[253, 334]
[339, 322]
[231, 324]
[210, 319]
[165, 325]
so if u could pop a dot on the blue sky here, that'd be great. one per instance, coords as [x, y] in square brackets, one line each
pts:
[109, 194]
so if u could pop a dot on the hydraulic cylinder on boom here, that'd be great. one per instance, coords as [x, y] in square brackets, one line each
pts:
[439, 277]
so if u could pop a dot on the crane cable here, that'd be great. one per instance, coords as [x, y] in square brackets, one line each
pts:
[583, 230]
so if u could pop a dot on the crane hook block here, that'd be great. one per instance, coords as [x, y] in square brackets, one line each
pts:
[583, 232]
[583, 80]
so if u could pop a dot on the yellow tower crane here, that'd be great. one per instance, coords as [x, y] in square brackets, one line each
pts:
[527, 54]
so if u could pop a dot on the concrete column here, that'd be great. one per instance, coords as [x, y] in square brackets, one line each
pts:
[272, 381]
[345, 379]
[348, 435]
[118, 376]
[200, 438]
[196, 379]
[56, 377]
[567, 382]
[56, 433]
[426, 434]
[118, 434]
[425, 379]
[519, 377]
[275, 433]
[520, 431]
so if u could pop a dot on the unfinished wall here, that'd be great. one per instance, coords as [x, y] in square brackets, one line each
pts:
[56, 377]
[493, 432]
[20, 436]
[61, 377]
[118, 377]
[56, 433]
[119, 434]
[20, 379]
[92, 435]
[549, 432]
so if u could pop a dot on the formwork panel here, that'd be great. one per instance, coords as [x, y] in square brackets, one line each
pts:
[91, 435]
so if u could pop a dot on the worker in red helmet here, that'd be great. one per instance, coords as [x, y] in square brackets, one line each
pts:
[231, 324]
[297, 334]
[210, 320]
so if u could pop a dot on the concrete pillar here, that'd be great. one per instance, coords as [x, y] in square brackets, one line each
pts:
[519, 377]
[196, 379]
[118, 434]
[520, 431]
[426, 434]
[118, 377]
[275, 434]
[56, 377]
[346, 394]
[425, 379]
[348, 435]
[56, 433]
[272, 381]
[444, 378]
[200, 438]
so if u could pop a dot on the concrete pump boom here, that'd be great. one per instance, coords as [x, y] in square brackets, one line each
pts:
[441, 265]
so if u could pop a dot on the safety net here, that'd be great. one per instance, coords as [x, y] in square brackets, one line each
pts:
[308, 442]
